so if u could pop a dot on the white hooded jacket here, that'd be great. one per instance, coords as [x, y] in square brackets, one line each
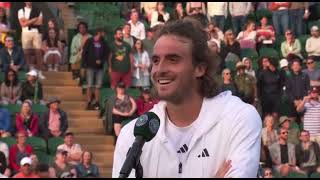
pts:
[229, 130]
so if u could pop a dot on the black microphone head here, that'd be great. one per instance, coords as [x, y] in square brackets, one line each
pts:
[147, 126]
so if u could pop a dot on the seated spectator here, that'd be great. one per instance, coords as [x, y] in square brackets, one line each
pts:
[86, 169]
[10, 89]
[310, 105]
[178, 12]
[124, 108]
[52, 49]
[308, 154]
[269, 133]
[313, 44]
[127, 37]
[247, 38]
[246, 84]
[196, 8]
[5, 123]
[293, 135]
[32, 89]
[284, 72]
[52, 24]
[54, 122]
[5, 150]
[267, 173]
[215, 34]
[4, 25]
[230, 47]
[312, 71]
[18, 152]
[283, 154]
[265, 34]
[26, 170]
[61, 167]
[146, 102]
[228, 83]
[11, 55]
[137, 27]
[291, 47]
[27, 121]
[141, 74]
[249, 69]
[160, 16]
[74, 150]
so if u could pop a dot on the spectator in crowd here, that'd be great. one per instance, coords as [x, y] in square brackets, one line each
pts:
[61, 167]
[54, 122]
[4, 26]
[230, 49]
[27, 121]
[297, 86]
[124, 108]
[213, 46]
[284, 72]
[120, 61]
[94, 55]
[11, 55]
[86, 169]
[5, 123]
[239, 12]
[35, 162]
[312, 71]
[127, 37]
[196, 8]
[77, 44]
[10, 88]
[215, 34]
[217, 13]
[45, 171]
[282, 154]
[294, 132]
[178, 12]
[5, 150]
[74, 150]
[52, 24]
[141, 74]
[263, 64]
[6, 6]
[246, 85]
[228, 83]
[269, 133]
[311, 108]
[18, 151]
[145, 102]
[52, 50]
[160, 16]
[249, 69]
[308, 154]
[313, 44]
[149, 41]
[269, 89]
[265, 34]
[32, 88]
[26, 170]
[126, 8]
[148, 8]
[267, 173]
[137, 27]
[297, 14]
[291, 47]
[31, 21]
[247, 38]
[280, 16]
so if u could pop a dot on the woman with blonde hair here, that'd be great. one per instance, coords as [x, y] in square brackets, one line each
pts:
[85, 168]
[269, 134]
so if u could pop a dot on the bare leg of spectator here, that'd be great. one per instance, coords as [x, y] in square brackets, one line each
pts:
[28, 57]
[117, 128]
[97, 95]
[39, 62]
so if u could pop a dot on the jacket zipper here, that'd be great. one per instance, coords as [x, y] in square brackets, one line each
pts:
[180, 168]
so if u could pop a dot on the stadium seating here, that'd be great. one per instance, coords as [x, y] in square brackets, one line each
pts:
[37, 144]
[53, 143]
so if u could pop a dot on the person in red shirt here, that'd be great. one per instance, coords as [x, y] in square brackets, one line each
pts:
[145, 102]
[26, 121]
[26, 170]
[265, 34]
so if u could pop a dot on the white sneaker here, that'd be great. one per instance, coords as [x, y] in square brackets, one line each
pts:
[41, 76]
[56, 68]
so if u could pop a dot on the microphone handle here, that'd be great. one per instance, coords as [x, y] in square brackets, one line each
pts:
[133, 157]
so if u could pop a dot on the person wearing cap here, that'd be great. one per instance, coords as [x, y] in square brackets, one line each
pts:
[291, 127]
[312, 71]
[11, 55]
[27, 121]
[249, 70]
[313, 43]
[54, 122]
[18, 151]
[145, 102]
[284, 71]
[291, 47]
[32, 88]
[297, 86]
[61, 167]
[26, 170]
[269, 89]
[74, 150]
[246, 84]
[310, 105]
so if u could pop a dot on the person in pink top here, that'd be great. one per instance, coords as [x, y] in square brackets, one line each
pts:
[145, 102]
[27, 121]
[265, 34]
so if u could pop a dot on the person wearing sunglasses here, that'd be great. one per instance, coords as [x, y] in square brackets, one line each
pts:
[228, 83]
[312, 71]
[313, 43]
[291, 47]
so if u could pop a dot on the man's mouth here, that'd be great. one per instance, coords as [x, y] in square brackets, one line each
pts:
[164, 81]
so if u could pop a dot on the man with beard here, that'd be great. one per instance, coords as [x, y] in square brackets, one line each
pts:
[202, 133]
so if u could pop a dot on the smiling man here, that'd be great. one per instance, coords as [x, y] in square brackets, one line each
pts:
[202, 133]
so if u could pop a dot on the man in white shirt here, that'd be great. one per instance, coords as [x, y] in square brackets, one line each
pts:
[202, 133]
[74, 150]
[313, 44]
[31, 20]
[137, 27]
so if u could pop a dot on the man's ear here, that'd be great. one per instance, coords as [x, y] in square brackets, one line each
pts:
[200, 70]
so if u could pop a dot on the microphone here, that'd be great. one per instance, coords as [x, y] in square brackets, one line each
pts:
[145, 129]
